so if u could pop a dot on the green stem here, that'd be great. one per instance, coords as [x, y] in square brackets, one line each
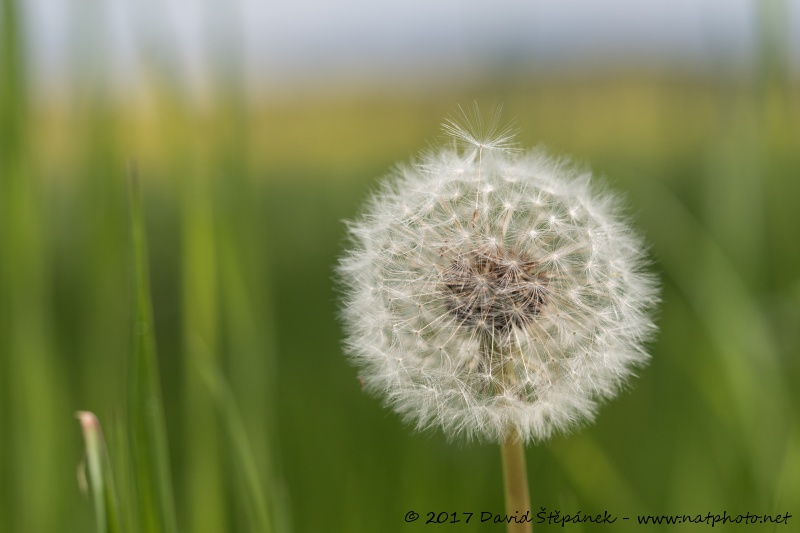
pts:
[515, 475]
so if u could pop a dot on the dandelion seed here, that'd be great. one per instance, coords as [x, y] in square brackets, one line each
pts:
[491, 292]
[469, 130]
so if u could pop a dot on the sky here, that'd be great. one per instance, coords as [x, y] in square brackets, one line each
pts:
[307, 42]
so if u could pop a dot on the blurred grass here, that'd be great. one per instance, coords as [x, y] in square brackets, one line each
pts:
[244, 206]
[97, 473]
[153, 502]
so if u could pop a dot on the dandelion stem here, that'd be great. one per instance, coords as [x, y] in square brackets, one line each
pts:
[515, 476]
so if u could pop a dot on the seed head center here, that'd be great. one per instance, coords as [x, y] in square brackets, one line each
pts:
[494, 290]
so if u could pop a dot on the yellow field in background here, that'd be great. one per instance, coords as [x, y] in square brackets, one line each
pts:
[628, 114]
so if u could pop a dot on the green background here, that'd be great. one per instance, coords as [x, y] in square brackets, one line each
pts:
[244, 200]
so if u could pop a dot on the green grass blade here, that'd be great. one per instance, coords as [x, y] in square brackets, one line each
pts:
[255, 497]
[100, 475]
[118, 446]
[156, 509]
[203, 475]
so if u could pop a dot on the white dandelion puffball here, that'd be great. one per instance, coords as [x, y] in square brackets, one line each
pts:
[490, 291]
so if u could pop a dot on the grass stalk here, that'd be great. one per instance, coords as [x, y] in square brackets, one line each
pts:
[151, 471]
[107, 513]
[255, 500]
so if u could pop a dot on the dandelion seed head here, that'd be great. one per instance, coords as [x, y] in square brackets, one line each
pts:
[478, 303]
